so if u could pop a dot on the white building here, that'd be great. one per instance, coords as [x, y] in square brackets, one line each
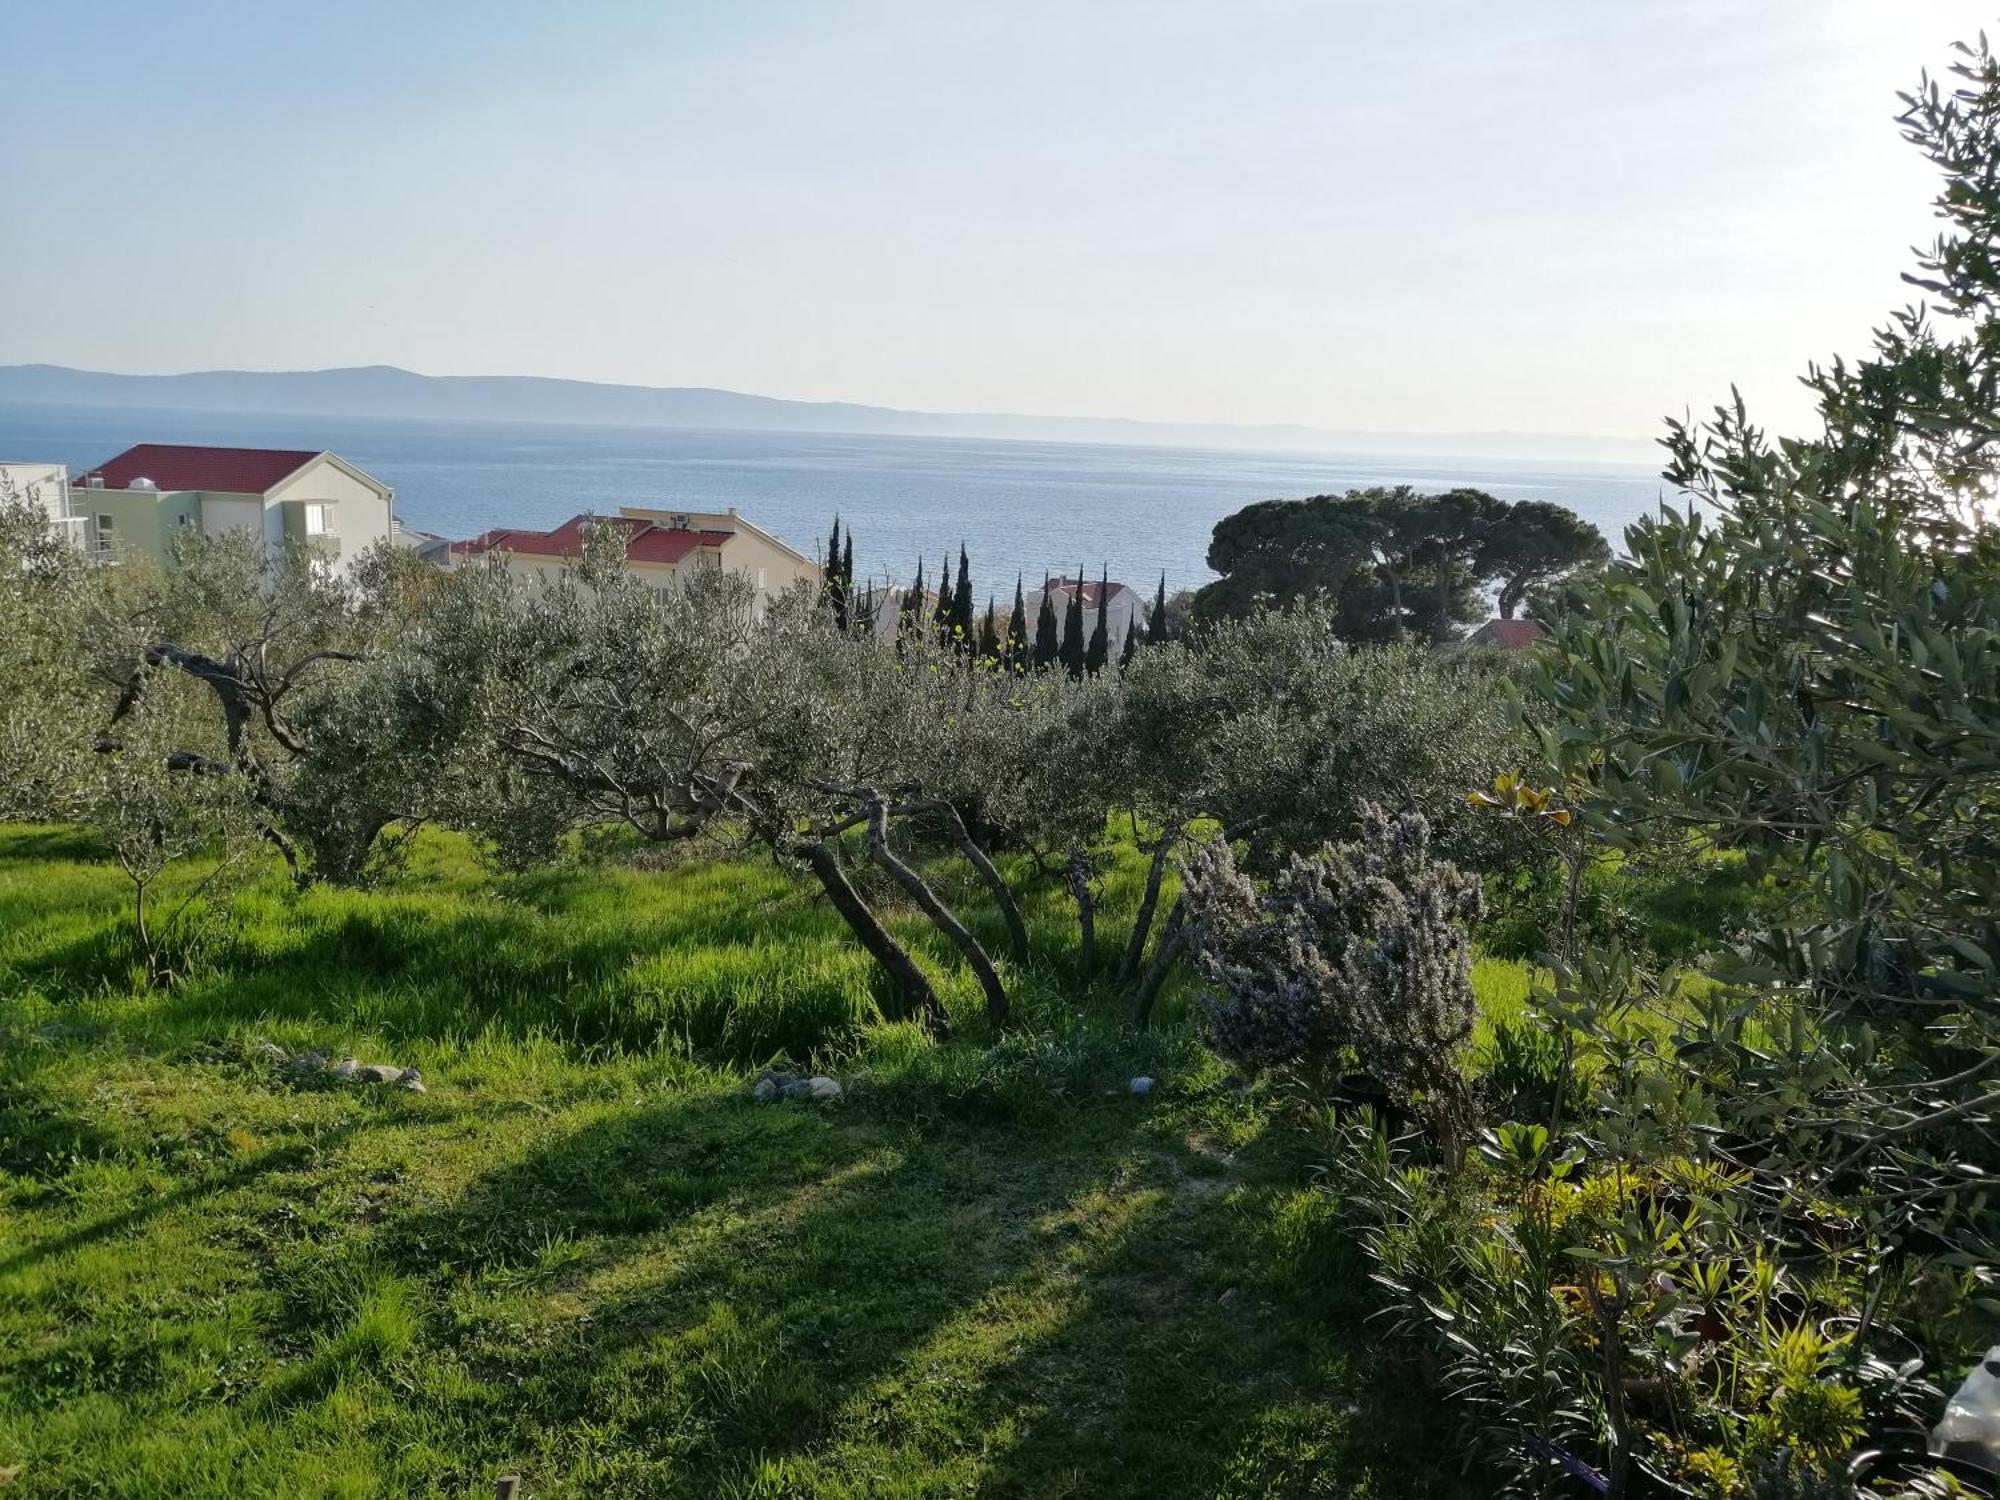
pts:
[660, 545]
[1125, 611]
[133, 505]
[46, 485]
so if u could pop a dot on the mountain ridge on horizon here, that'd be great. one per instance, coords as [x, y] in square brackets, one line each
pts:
[391, 392]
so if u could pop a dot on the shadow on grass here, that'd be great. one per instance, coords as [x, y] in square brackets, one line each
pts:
[293, 1156]
[681, 1299]
[60, 842]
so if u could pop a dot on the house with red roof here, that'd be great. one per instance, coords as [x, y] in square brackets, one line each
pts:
[133, 505]
[659, 545]
[1506, 635]
[1125, 610]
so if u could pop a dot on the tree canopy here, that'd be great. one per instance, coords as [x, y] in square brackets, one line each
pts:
[1391, 563]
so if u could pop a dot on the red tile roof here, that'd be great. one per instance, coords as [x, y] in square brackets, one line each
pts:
[1509, 635]
[175, 466]
[644, 542]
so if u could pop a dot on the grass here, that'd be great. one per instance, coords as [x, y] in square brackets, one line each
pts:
[585, 1256]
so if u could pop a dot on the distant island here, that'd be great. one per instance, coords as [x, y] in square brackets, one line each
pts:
[385, 391]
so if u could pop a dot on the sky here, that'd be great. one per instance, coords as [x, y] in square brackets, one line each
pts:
[1442, 216]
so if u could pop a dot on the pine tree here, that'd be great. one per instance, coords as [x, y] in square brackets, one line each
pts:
[1099, 650]
[1048, 640]
[989, 635]
[1156, 628]
[961, 604]
[1073, 645]
[1016, 657]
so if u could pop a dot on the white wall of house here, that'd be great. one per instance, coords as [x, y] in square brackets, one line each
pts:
[223, 513]
[46, 484]
[772, 565]
[361, 509]
[1125, 613]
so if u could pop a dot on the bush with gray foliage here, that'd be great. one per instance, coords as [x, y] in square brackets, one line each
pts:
[1356, 954]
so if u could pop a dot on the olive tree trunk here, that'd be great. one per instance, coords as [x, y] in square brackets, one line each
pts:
[912, 984]
[1173, 937]
[1003, 895]
[1142, 924]
[941, 915]
[1086, 910]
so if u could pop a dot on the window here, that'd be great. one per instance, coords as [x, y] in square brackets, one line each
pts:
[103, 540]
[319, 519]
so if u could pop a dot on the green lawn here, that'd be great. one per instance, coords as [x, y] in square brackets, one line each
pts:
[585, 1256]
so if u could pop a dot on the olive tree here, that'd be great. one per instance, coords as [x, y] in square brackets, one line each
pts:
[47, 702]
[157, 806]
[1276, 732]
[281, 649]
[676, 713]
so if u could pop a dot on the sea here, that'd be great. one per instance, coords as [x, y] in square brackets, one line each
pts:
[1019, 508]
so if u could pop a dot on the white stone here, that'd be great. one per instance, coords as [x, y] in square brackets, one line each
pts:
[1142, 1085]
[822, 1088]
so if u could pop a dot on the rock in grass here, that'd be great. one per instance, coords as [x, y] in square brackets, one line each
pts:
[412, 1080]
[347, 1067]
[273, 1054]
[1142, 1085]
[379, 1073]
[773, 1083]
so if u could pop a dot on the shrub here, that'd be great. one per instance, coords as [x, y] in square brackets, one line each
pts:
[1357, 952]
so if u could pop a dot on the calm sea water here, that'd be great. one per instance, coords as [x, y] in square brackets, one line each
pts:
[1026, 507]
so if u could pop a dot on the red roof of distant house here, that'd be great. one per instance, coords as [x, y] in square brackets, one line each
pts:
[1509, 635]
[175, 466]
[644, 541]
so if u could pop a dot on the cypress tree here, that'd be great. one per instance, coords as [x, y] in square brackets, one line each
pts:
[1072, 641]
[1100, 639]
[961, 604]
[910, 616]
[1047, 639]
[1016, 658]
[989, 635]
[829, 576]
[1131, 646]
[1156, 628]
[847, 581]
[941, 615]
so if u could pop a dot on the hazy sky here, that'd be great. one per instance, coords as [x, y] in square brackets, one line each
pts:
[1557, 217]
